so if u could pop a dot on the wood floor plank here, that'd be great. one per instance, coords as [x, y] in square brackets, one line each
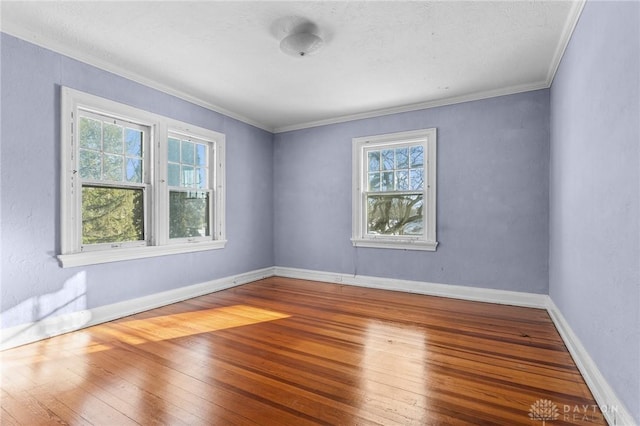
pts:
[189, 393]
[293, 352]
[6, 418]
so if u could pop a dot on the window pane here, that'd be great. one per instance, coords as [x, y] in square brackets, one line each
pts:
[417, 156]
[387, 159]
[188, 177]
[188, 214]
[109, 144]
[374, 181]
[387, 182]
[395, 214]
[188, 156]
[113, 138]
[201, 154]
[90, 165]
[201, 178]
[134, 170]
[402, 180]
[174, 150]
[374, 161]
[90, 133]
[417, 178]
[112, 215]
[402, 158]
[134, 143]
[113, 167]
[174, 175]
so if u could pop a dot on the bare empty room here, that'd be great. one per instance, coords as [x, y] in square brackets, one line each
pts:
[319, 212]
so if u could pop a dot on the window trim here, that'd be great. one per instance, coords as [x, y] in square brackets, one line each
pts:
[157, 240]
[145, 185]
[360, 145]
[216, 180]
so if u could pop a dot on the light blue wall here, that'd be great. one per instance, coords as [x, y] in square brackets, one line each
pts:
[595, 191]
[515, 211]
[33, 284]
[492, 226]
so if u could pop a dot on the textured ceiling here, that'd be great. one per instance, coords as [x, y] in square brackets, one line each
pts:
[378, 57]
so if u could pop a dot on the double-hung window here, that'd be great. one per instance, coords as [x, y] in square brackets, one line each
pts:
[136, 184]
[113, 181]
[394, 190]
[190, 190]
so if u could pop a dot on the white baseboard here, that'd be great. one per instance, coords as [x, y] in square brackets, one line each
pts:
[615, 412]
[53, 326]
[613, 409]
[504, 297]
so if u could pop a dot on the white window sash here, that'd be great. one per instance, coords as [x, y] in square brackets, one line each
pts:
[122, 244]
[156, 191]
[216, 177]
[360, 149]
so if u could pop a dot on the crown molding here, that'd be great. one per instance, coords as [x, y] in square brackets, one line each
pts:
[512, 90]
[569, 26]
[54, 46]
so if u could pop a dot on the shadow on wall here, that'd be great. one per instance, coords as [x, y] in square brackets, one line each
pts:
[49, 313]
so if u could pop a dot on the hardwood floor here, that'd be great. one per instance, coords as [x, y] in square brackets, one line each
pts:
[292, 352]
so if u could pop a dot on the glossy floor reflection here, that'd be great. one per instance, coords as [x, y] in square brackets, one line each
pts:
[292, 352]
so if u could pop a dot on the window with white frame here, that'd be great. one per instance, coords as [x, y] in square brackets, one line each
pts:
[136, 184]
[394, 191]
[113, 181]
[190, 190]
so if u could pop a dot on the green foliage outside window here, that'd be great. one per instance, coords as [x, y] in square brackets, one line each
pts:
[188, 214]
[112, 215]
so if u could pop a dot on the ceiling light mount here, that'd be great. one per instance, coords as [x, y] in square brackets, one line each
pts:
[301, 37]
[300, 44]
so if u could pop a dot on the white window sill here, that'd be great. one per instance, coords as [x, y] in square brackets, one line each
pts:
[395, 244]
[106, 256]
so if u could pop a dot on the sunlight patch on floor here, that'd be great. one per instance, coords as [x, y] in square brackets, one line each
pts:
[192, 322]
